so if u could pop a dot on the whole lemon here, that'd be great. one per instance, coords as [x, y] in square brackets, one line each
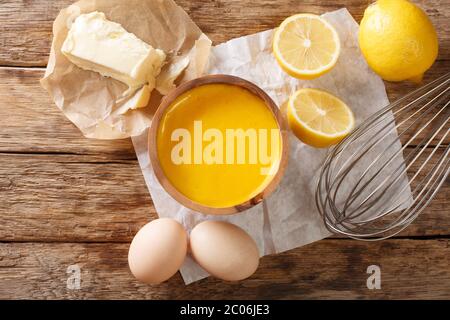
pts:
[398, 40]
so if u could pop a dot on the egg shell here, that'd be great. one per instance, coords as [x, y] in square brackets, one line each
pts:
[224, 250]
[158, 251]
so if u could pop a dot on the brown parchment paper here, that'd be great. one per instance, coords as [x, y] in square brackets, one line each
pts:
[93, 102]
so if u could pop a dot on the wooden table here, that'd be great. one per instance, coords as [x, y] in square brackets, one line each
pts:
[66, 200]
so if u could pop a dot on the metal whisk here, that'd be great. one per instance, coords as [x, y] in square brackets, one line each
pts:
[376, 181]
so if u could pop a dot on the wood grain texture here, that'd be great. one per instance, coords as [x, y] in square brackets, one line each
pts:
[68, 200]
[77, 198]
[26, 37]
[71, 198]
[30, 122]
[327, 269]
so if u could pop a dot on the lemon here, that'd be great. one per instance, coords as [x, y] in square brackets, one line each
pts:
[318, 118]
[398, 40]
[306, 46]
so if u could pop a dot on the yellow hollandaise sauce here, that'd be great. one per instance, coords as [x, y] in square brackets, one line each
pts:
[219, 145]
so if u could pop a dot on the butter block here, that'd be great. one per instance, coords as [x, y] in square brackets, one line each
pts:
[139, 100]
[97, 44]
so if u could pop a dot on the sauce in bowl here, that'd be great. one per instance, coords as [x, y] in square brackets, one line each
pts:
[218, 145]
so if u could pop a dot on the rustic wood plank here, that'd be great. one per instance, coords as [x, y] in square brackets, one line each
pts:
[71, 198]
[26, 28]
[79, 190]
[326, 269]
[396, 90]
[30, 121]
[77, 198]
[26, 37]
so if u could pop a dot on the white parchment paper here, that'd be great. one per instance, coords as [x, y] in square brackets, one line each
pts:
[288, 218]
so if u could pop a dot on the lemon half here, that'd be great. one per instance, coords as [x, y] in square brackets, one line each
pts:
[318, 118]
[306, 46]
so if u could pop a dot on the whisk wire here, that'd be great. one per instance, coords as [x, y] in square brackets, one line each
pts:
[381, 201]
[352, 197]
[343, 175]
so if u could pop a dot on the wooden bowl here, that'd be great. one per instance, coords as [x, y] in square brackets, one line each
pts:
[217, 79]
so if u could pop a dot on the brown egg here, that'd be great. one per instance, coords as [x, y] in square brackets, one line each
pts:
[224, 250]
[157, 251]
